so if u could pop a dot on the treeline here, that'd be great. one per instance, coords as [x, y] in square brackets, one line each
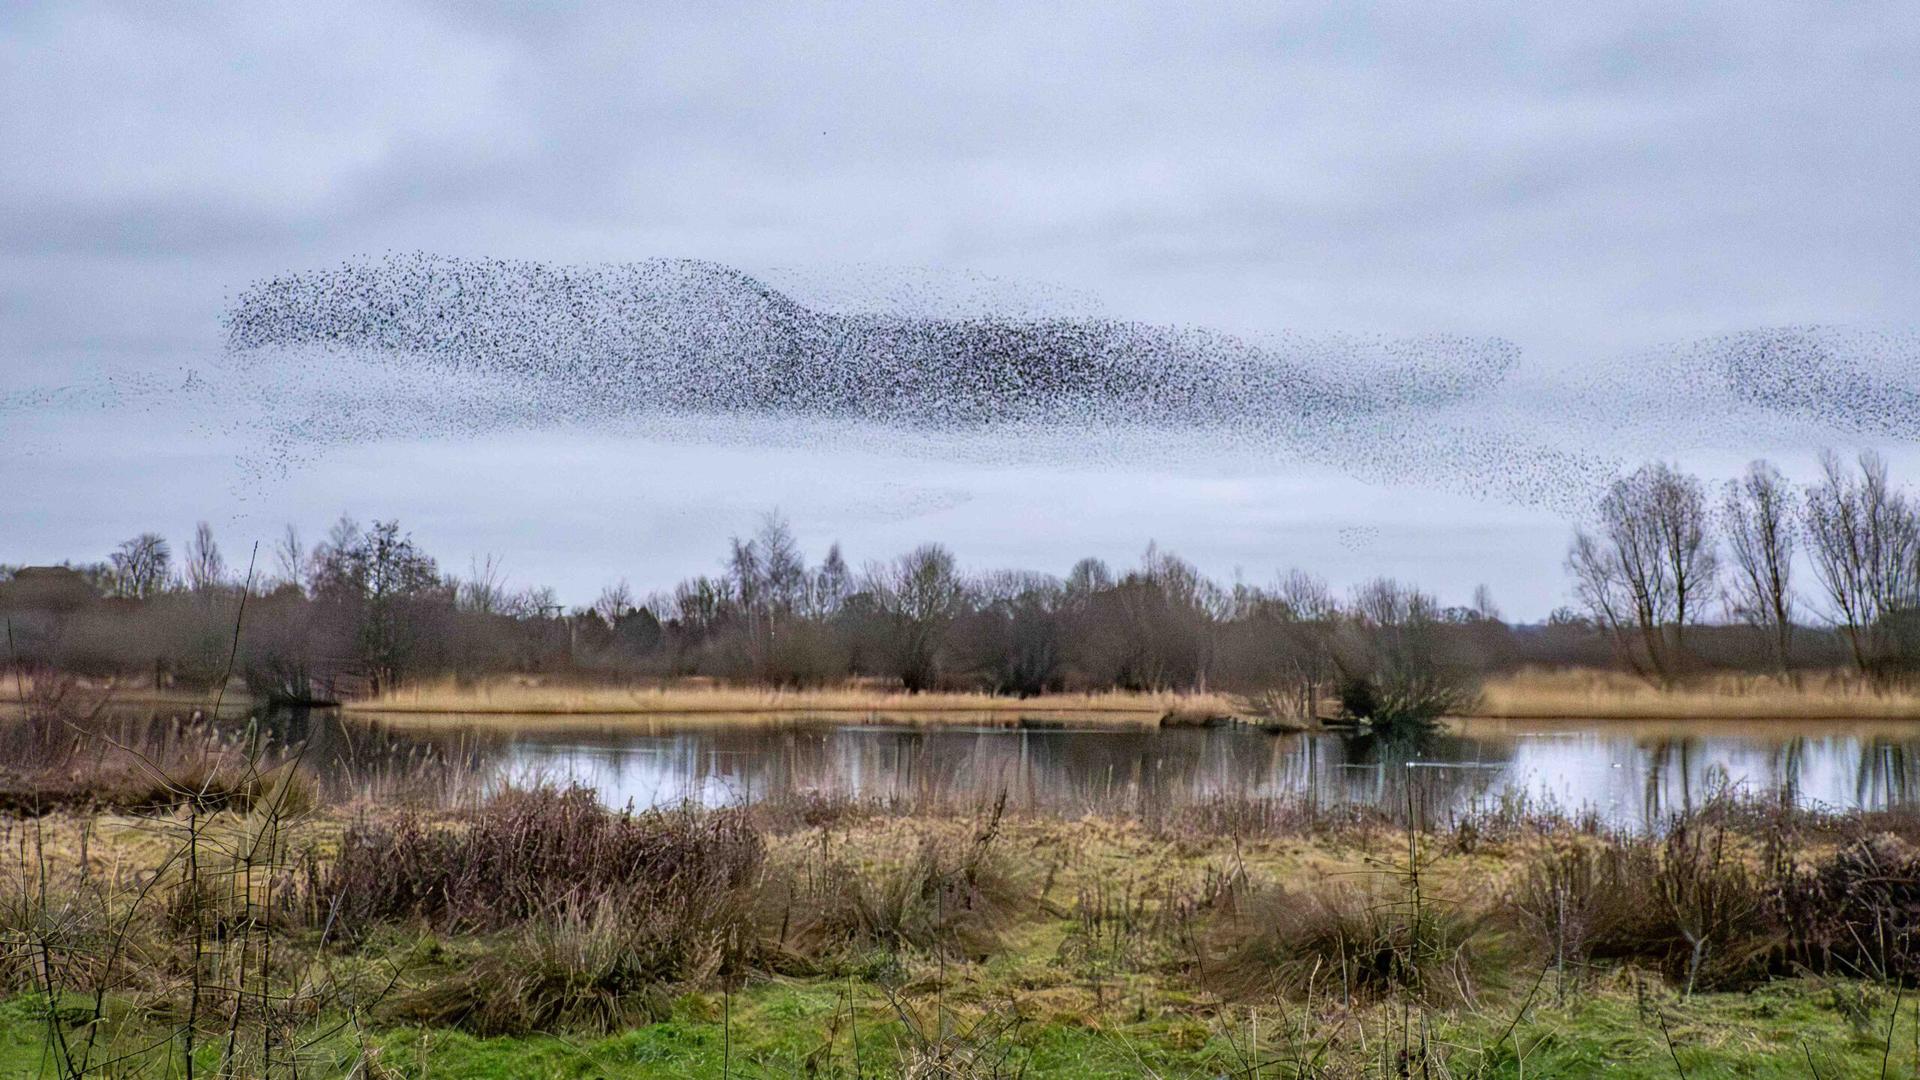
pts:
[1669, 581]
[367, 609]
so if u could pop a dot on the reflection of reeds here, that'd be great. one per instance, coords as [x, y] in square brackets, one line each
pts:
[1607, 695]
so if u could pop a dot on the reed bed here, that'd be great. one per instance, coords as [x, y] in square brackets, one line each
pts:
[1602, 695]
[530, 697]
[1526, 695]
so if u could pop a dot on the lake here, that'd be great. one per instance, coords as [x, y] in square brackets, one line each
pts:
[1627, 772]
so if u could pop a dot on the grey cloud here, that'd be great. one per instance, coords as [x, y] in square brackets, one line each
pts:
[1587, 183]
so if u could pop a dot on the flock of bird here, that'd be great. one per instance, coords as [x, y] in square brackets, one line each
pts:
[679, 347]
[697, 337]
[424, 345]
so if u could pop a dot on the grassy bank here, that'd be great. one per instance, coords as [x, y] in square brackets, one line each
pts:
[539, 934]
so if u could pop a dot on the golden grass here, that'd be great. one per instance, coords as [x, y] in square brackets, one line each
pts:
[529, 697]
[1528, 695]
[1601, 695]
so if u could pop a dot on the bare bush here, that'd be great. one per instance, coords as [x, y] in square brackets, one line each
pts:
[533, 852]
[1393, 659]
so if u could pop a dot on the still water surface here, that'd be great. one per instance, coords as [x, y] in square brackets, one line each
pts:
[1628, 772]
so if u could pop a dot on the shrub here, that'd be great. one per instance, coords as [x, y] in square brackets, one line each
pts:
[1712, 914]
[536, 853]
[1689, 904]
[1571, 893]
[1855, 913]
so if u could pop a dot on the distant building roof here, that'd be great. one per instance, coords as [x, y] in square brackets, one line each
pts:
[46, 588]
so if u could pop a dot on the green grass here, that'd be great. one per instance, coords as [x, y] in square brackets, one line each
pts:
[806, 1029]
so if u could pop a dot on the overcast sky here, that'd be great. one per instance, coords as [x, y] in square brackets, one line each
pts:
[1583, 181]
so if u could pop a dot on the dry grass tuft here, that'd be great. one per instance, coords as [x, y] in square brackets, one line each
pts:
[594, 970]
[951, 896]
[1355, 943]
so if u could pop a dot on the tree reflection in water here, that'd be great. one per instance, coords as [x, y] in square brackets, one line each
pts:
[1627, 772]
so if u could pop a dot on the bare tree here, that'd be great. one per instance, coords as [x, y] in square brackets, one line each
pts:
[919, 594]
[770, 585]
[615, 602]
[531, 602]
[699, 604]
[386, 586]
[769, 574]
[140, 566]
[1646, 573]
[1864, 539]
[205, 567]
[1164, 617]
[1017, 638]
[1307, 666]
[330, 567]
[290, 556]
[831, 585]
[1484, 607]
[485, 589]
[1087, 577]
[1760, 514]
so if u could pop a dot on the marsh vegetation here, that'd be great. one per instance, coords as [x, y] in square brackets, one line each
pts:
[270, 924]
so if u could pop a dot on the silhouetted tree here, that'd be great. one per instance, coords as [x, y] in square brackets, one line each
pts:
[1643, 577]
[918, 595]
[205, 568]
[140, 566]
[386, 586]
[1864, 538]
[1759, 514]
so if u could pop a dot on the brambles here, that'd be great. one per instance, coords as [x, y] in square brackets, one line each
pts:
[1856, 913]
